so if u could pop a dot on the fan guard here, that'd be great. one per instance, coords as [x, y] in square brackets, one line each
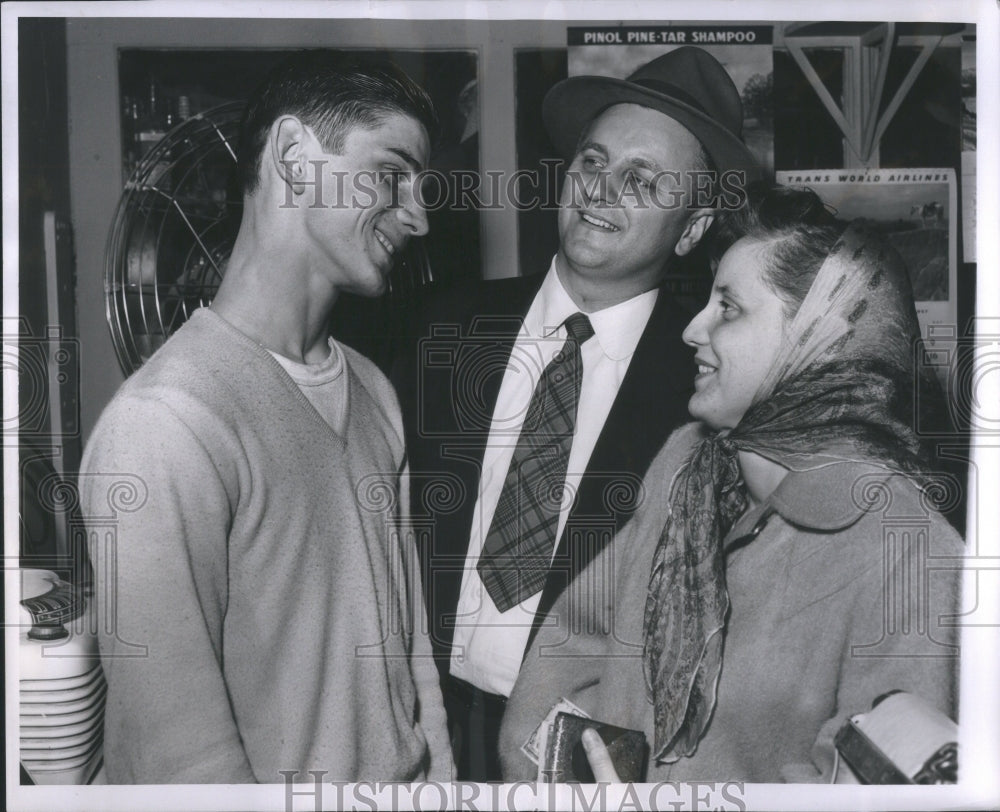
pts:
[173, 232]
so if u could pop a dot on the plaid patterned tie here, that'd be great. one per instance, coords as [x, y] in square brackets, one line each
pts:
[518, 549]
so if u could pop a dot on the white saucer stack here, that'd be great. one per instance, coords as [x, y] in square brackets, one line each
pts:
[62, 685]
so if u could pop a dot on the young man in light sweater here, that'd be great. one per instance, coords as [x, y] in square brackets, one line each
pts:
[258, 571]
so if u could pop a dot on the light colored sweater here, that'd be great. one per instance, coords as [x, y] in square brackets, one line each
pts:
[832, 605]
[257, 574]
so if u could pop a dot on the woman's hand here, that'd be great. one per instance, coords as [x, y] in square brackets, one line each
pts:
[599, 757]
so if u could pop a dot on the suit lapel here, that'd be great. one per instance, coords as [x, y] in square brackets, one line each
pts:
[467, 336]
[493, 327]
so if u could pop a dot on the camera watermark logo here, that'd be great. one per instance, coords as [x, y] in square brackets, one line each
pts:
[967, 365]
[465, 372]
[45, 365]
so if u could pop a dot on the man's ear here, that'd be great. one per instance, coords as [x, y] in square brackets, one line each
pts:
[287, 141]
[695, 229]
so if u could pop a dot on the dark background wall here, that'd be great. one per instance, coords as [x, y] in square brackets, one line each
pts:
[45, 336]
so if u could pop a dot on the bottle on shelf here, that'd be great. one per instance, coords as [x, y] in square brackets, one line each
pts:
[155, 123]
[151, 130]
[130, 131]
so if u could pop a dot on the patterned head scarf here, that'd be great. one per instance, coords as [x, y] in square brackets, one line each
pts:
[841, 387]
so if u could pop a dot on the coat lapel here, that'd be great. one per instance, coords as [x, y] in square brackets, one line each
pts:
[493, 328]
[468, 337]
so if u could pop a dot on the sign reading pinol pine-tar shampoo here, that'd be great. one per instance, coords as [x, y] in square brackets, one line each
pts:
[671, 35]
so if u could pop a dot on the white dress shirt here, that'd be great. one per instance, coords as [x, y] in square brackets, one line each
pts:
[488, 645]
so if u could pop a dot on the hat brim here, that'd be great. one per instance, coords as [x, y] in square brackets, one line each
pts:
[570, 105]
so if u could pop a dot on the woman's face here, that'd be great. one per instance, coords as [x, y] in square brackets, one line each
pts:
[736, 337]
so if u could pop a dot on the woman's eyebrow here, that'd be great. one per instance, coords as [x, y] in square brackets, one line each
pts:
[728, 292]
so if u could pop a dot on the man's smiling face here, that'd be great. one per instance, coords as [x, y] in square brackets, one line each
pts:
[621, 215]
[367, 207]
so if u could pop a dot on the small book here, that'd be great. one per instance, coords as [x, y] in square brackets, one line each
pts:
[566, 760]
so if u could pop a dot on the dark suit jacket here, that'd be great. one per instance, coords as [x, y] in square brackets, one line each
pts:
[448, 375]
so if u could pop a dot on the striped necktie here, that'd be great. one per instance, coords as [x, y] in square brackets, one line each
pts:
[517, 552]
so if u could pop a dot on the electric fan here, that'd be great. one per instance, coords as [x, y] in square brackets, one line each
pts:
[173, 233]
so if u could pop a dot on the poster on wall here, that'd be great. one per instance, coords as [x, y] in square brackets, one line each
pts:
[916, 211]
[743, 50]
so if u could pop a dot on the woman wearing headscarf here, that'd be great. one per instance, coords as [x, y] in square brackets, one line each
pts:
[789, 563]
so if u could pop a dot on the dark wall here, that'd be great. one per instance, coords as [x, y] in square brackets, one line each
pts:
[44, 160]
[43, 186]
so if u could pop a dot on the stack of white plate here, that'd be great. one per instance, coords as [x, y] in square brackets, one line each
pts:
[62, 686]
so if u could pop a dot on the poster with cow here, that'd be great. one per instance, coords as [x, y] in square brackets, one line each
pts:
[916, 210]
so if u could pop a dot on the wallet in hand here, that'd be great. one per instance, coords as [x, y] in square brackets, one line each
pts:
[566, 760]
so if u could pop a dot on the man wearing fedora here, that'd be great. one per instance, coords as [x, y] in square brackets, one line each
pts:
[534, 405]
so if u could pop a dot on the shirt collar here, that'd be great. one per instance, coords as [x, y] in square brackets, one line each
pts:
[316, 374]
[618, 328]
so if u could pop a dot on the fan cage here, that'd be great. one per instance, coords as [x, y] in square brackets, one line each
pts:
[172, 233]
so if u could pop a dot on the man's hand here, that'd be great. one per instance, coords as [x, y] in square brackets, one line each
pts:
[599, 757]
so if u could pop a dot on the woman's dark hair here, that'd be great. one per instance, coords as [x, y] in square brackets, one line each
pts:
[798, 229]
[332, 95]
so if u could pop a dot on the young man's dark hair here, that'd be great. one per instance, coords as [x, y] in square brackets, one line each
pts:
[332, 95]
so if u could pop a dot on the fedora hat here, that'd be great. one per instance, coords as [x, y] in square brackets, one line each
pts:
[687, 84]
